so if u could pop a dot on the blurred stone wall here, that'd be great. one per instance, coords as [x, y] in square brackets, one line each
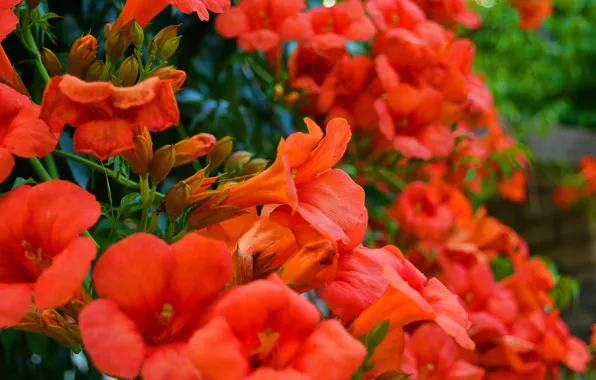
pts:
[568, 238]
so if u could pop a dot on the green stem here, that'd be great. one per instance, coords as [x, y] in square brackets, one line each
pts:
[31, 45]
[39, 169]
[147, 206]
[171, 230]
[179, 236]
[116, 176]
[51, 164]
[88, 234]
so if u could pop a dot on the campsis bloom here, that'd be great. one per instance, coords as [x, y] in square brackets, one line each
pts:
[43, 260]
[104, 115]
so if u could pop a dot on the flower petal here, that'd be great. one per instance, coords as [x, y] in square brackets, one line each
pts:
[329, 352]
[134, 272]
[169, 362]
[111, 339]
[59, 212]
[104, 138]
[56, 285]
[28, 135]
[227, 362]
[15, 300]
[202, 267]
[6, 164]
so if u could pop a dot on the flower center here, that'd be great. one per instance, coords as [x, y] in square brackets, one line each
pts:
[267, 345]
[424, 371]
[394, 19]
[164, 317]
[35, 255]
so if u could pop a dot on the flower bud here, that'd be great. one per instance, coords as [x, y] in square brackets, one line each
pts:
[164, 35]
[140, 157]
[137, 35]
[129, 71]
[176, 199]
[237, 160]
[162, 163]
[51, 62]
[220, 152]
[292, 97]
[278, 90]
[118, 39]
[82, 53]
[95, 71]
[193, 148]
[176, 77]
[32, 4]
[254, 166]
[170, 47]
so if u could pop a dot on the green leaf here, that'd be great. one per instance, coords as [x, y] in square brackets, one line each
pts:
[37, 344]
[7, 339]
[501, 267]
[565, 292]
[376, 335]
[22, 181]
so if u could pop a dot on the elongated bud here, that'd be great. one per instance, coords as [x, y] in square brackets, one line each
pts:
[162, 163]
[59, 328]
[140, 158]
[137, 35]
[170, 47]
[306, 269]
[292, 97]
[95, 71]
[237, 160]
[166, 34]
[51, 62]
[222, 150]
[176, 199]
[82, 53]
[254, 166]
[176, 77]
[129, 71]
[193, 148]
[118, 39]
[32, 4]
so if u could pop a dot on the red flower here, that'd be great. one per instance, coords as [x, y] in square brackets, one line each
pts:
[346, 19]
[8, 20]
[515, 187]
[154, 296]
[422, 213]
[143, 12]
[437, 361]
[328, 199]
[42, 256]
[278, 336]
[532, 13]
[451, 12]
[394, 14]
[259, 24]
[104, 114]
[22, 132]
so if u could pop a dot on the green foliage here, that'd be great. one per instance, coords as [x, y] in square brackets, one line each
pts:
[501, 267]
[539, 78]
[371, 341]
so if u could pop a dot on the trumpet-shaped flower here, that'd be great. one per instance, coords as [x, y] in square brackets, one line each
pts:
[144, 11]
[22, 132]
[154, 297]
[42, 258]
[104, 115]
[278, 337]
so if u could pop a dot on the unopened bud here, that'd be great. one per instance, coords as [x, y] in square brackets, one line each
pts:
[95, 71]
[170, 47]
[176, 199]
[193, 148]
[162, 163]
[292, 97]
[140, 157]
[220, 152]
[51, 62]
[254, 166]
[164, 35]
[118, 39]
[278, 90]
[137, 35]
[237, 160]
[82, 53]
[176, 77]
[32, 4]
[129, 71]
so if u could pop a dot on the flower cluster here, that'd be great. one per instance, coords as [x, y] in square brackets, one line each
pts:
[265, 271]
[577, 187]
